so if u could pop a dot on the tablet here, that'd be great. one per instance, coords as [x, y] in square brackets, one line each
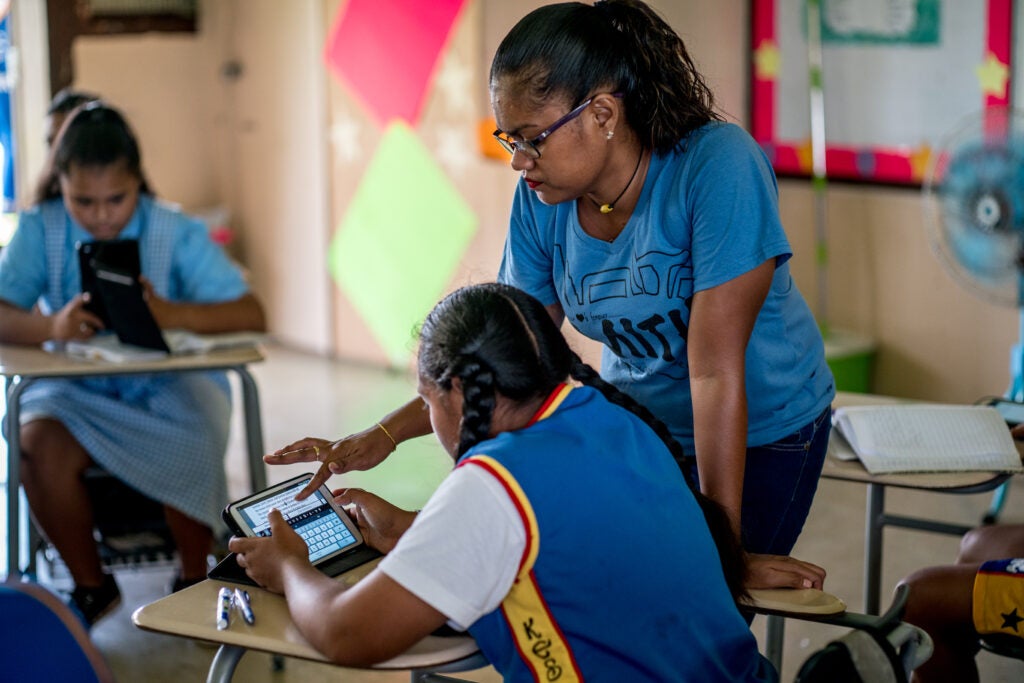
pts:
[120, 255]
[324, 525]
[124, 300]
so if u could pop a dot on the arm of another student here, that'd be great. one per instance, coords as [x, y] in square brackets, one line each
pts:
[243, 313]
[360, 451]
[373, 621]
[721, 322]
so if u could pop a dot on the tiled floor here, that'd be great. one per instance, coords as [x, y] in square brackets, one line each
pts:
[309, 396]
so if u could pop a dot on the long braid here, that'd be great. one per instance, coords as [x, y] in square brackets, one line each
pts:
[477, 404]
[734, 564]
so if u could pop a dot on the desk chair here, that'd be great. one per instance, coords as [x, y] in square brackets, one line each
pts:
[42, 640]
[879, 646]
[130, 528]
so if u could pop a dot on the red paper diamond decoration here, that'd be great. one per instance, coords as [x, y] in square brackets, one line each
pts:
[387, 51]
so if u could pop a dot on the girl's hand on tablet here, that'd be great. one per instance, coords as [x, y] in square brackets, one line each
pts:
[264, 558]
[380, 522]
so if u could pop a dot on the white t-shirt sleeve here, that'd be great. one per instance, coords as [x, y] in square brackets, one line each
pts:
[461, 554]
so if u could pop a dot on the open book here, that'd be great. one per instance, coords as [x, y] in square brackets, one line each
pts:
[928, 438]
[107, 346]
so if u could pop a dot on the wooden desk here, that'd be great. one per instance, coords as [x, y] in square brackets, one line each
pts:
[23, 365]
[191, 613]
[875, 516]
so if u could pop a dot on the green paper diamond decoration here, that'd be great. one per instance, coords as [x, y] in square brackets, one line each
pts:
[401, 240]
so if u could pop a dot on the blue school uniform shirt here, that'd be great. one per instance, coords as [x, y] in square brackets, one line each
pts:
[620, 579]
[197, 269]
[708, 213]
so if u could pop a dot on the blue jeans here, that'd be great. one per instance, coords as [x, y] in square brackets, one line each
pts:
[779, 486]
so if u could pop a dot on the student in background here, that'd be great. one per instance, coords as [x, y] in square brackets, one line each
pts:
[62, 104]
[652, 226]
[981, 594]
[164, 434]
[566, 540]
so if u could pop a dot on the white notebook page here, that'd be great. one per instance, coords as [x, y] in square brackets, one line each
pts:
[929, 438]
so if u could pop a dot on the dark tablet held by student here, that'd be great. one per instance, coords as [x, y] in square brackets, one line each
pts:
[122, 255]
[124, 300]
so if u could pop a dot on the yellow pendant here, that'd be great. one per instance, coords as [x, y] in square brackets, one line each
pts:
[607, 208]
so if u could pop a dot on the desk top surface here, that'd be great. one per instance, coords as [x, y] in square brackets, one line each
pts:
[853, 470]
[32, 361]
[191, 613]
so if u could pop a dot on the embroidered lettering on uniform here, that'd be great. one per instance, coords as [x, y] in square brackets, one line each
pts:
[541, 649]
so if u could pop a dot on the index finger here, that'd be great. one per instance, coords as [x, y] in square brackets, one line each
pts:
[322, 474]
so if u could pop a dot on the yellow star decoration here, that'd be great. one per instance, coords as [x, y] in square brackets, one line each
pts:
[993, 76]
[766, 61]
[919, 157]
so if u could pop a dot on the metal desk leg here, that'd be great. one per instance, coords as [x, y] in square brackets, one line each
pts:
[224, 662]
[253, 428]
[775, 630]
[873, 546]
[15, 386]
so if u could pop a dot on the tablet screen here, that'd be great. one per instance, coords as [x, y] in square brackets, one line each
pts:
[313, 518]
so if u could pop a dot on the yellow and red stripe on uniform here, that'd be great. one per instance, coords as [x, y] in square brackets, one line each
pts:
[999, 597]
[537, 637]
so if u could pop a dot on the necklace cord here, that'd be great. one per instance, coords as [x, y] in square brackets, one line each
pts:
[610, 206]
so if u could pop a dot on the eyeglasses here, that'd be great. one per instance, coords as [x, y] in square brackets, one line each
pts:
[529, 147]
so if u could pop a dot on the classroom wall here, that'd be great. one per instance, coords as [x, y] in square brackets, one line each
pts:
[262, 146]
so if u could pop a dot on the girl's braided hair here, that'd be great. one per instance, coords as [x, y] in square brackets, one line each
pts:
[498, 339]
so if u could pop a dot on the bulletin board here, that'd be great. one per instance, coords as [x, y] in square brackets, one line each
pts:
[898, 76]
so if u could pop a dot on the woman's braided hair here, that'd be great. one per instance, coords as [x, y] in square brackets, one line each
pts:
[498, 339]
[572, 50]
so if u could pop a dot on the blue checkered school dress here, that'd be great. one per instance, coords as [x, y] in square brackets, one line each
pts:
[164, 434]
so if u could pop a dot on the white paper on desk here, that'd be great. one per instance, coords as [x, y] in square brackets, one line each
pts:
[183, 341]
[107, 347]
[838, 447]
[929, 438]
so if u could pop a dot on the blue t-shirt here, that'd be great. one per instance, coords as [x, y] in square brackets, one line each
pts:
[707, 214]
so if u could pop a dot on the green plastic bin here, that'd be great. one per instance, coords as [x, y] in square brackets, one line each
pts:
[851, 357]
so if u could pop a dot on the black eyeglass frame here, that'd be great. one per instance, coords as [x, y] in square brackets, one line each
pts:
[529, 147]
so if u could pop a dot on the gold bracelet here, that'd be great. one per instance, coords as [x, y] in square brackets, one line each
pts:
[384, 429]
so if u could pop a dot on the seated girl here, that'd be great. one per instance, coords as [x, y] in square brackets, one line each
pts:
[163, 434]
[560, 541]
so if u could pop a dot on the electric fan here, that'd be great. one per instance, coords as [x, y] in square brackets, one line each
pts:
[974, 205]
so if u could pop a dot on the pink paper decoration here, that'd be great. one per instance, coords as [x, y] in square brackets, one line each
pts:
[386, 51]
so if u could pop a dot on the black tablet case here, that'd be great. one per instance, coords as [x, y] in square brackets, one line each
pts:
[122, 255]
[122, 297]
[228, 569]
